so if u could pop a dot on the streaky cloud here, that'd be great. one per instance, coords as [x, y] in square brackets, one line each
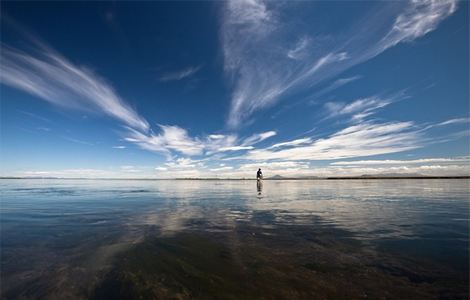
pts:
[454, 121]
[258, 59]
[335, 85]
[418, 18]
[171, 138]
[299, 50]
[177, 139]
[365, 139]
[258, 137]
[77, 141]
[235, 148]
[456, 160]
[181, 74]
[292, 143]
[358, 109]
[448, 122]
[51, 77]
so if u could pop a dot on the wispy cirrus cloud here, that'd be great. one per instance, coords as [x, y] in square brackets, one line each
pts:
[183, 163]
[299, 51]
[258, 137]
[180, 74]
[335, 85]
[174, 138]
[358, 109]
[221, 169]
[51, 77]
[275, 166]
[263, 66]
[454, 160]
[288, 168]
[77, 141]
[35, 116]
[292, 143]
[235, 148]
[454, 121]
[359, 140]
[417, 19]
[262, 77]
[284, 168]
[171, 138]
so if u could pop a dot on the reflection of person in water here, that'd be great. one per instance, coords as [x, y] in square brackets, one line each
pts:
[259, 187]
[259, 174]
[259, 182]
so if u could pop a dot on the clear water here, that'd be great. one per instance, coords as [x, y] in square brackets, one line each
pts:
[60, 238]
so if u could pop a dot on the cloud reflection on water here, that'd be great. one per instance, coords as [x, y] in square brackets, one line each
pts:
[66, 226]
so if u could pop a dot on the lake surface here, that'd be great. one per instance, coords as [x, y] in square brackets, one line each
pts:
[325, 239]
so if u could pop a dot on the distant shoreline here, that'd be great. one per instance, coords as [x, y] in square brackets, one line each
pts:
[248, 179]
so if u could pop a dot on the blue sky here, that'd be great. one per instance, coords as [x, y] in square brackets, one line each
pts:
[218, 89]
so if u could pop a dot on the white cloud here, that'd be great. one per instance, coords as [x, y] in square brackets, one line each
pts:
[77, 141]
[260, 75]
[216, 136]
[171, 138]
[335, 85]
[360, 108]
[258, 137]
[292, 143]
[417, 19]
[219, 142]
[362, 105]
[131, 169]
[185, 169]
[299, 50]
[404, 162]
[248, 13]
[454, 121]
[221, 169]
[329, 58]
[35, 116]
[181, 74]
[183, 163]
[235, 148]
[256, 35]
[119, 172]
[274, 166]
[364, 139]
[448, 122]
[53, 78]
[69, 173]
[174, 138]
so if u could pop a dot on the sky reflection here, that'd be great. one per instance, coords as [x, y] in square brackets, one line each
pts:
[49, 226]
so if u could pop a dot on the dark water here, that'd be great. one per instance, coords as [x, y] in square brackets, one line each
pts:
[351, 239]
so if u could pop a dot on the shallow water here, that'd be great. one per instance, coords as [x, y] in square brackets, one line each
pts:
[232, 239]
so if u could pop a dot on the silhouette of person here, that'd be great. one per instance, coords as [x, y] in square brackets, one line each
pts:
[259, 174]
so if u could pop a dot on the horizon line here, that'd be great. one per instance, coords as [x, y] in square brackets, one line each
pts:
[404, 176]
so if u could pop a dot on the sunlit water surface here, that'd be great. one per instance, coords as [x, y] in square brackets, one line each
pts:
[59, 237]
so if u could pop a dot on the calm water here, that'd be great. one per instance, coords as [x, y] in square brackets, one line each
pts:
[232, 239]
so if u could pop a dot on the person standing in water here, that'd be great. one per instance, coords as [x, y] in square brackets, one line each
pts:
[259, 175]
